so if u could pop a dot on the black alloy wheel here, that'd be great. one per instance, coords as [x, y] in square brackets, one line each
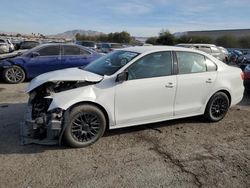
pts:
[217, 107]
[85, 124]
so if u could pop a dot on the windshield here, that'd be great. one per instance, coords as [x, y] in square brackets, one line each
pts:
[112, 62]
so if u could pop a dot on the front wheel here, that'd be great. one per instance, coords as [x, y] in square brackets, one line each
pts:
[85, 124]
[217, 107]
[14, 75]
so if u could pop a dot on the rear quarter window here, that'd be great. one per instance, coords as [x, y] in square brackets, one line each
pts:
[211, 66]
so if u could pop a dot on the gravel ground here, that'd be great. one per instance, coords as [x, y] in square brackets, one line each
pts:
[179, 153]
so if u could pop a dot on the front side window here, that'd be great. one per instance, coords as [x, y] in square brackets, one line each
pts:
[110, 63]
[189, 62]
[49, 51]
[152, 65]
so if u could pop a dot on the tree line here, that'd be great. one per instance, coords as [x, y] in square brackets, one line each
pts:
[166, 38]
[227, 41]
[117, 37]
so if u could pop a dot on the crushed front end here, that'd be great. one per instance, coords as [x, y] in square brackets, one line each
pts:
[41, 126]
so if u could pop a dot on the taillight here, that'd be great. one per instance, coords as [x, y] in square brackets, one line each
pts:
[242, 74]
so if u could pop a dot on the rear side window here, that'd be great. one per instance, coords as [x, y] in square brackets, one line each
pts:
[84, 52]
[49, 51]
[74, 50]
[71, 50]
[189, 62]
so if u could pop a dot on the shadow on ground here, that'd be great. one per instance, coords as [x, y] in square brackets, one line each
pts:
[11, 115]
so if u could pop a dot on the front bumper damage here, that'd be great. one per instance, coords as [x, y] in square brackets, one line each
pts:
[44, 130]
[40, 125]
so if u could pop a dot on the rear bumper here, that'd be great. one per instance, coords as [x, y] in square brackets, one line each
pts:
[237, 95]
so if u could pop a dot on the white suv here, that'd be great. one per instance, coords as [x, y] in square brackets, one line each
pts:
[127, 87]
[6, 46]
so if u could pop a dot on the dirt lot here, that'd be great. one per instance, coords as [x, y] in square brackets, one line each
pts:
[180, 153]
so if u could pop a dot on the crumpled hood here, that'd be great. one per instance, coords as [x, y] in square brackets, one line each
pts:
[70, 74]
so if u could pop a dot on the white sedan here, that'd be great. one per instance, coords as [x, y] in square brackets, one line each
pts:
[128, 87]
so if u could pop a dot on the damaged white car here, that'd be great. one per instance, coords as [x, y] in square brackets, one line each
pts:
[127, 87]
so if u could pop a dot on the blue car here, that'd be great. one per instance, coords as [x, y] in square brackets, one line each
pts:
[45, 58]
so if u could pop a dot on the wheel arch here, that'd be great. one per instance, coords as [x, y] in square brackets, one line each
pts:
[104, 111]
[223, 91]
[84, 103]
[24, 70]
[17, 65]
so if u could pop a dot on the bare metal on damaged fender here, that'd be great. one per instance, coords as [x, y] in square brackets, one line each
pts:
[49, 94]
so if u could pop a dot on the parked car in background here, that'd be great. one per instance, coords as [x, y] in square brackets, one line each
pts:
[16, 44]
[239, 58]
[225, 52]
[109, 47]
[6, 46]
[45, 58]
[90, 44]
[235, 56]
[128, 87]
[208, 48]
[247, 77]
[28, 44]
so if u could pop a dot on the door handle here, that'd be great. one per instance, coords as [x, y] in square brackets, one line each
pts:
[209, 80]
[169, 85]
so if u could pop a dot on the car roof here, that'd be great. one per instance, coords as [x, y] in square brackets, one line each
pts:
[147, 49]
[196, 44]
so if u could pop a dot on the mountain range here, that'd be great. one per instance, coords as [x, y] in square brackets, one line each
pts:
[71, 34]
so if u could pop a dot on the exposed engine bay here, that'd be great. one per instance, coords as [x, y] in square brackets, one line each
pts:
[42, 126]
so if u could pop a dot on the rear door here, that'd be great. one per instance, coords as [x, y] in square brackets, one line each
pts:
[74, 56]
[196, 77]
[48, 59]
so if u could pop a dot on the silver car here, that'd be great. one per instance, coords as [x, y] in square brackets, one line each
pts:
[6, 46]
[208, 48]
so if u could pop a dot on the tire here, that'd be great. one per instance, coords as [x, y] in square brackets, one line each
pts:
[85, 124]
[217, 107]
[14, 75]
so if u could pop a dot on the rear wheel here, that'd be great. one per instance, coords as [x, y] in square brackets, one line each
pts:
[14, 75]
[85, 124]
[217, 107]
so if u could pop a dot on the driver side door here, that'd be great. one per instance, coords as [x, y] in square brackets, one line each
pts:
[49, 59]
[148, 94]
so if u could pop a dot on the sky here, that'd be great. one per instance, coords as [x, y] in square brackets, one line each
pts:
[142, 18]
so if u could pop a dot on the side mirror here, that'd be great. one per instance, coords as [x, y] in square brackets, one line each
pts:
[35, 54]
[122, 77]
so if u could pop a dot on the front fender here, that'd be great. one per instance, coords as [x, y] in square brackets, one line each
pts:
[66, 99]
[6, 64]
